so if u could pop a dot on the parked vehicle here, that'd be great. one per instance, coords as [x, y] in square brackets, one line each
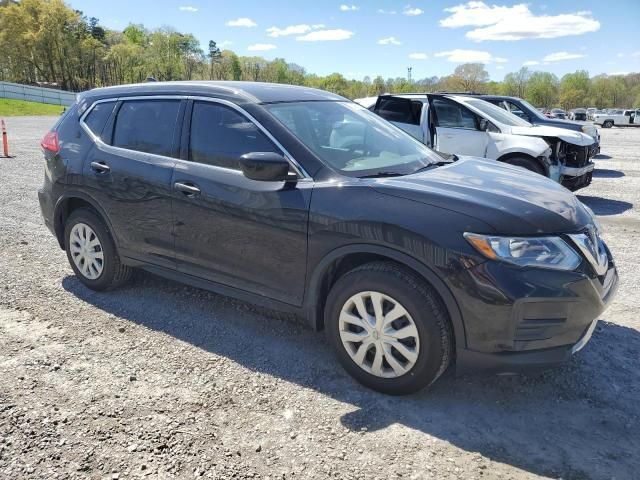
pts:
[528, 112]
[619, 118]
[558, 113]
[579, 114]
[590, 112]
[464, 125]
[304, 201]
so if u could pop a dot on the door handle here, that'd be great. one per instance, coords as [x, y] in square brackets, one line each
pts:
[100, 167]
[189, 189]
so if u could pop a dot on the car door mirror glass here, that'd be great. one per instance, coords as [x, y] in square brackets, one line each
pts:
[265, 167]
[483, 125]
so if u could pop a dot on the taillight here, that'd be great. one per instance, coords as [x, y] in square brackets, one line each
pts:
[50, 142]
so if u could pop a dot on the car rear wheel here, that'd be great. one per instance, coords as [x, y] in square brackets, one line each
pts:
[607, 124]
[388, 328]
[528, 163]
[92, 253]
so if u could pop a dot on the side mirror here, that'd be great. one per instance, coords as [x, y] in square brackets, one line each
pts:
[484, 125]
[265, 167]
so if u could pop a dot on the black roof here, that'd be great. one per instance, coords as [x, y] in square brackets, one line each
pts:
[239, 92]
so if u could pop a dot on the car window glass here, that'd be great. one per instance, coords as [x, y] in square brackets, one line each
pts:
[98, 116]
[146, 126]
[220, 135]
[453, 115]
[399, 110]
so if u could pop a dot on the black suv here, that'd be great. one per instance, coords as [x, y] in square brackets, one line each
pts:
[301, 200]
[531, 114]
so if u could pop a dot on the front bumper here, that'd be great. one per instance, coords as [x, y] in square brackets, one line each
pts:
[522, 320]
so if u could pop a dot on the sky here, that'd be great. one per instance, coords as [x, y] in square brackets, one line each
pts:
[384, 37]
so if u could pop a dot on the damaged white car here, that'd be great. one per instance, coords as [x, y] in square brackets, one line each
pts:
[461, 125]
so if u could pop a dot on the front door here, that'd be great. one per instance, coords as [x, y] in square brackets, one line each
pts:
[242, 233]
[128, 172]
[457, 129]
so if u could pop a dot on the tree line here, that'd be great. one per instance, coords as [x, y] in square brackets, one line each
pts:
[45, 42]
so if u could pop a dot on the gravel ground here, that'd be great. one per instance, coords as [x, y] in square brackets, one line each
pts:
[161, 380]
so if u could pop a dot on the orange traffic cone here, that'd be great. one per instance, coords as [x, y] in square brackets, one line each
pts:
[5, 140]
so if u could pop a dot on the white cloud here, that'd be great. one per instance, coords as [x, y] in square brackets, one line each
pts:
[290, 30]
[188, 8]
[517, 22]
[619, 73]
[326, 35]
[418, 56]
[469, 56]
[412, 11]
[620, 55]
[241, 22]
[348, 8]
[225, 43]
[560, 56]
[387, 12]
[389, 41]
[531, 63]
[261, 47]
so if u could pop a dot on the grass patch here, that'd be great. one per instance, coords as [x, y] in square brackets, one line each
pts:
[10, 107]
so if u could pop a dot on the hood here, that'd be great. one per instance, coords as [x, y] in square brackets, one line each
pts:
[510, 199]
[550, 122]
[569, 136]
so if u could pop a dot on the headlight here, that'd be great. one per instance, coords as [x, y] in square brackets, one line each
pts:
[543, 252]
[594, 219]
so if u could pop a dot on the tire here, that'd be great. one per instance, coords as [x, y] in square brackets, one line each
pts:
[84, 227]
[607, 124]
[425, 311]
[527, 163]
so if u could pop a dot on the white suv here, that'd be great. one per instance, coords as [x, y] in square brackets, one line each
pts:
[462, 125]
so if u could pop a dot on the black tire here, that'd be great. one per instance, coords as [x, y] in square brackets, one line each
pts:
[423, 305]
[527, 163]
[607, 124]
[114, 273]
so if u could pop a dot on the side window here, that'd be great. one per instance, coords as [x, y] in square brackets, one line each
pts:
[220, 135]
[400, 110]
[147, 126]
[454, 115]
[516, 110]
[98, 116]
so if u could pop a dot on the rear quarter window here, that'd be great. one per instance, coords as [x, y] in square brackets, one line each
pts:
[98, 117]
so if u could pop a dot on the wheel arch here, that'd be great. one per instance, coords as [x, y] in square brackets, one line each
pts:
[517, 154]
[69, 202]
[343, 259]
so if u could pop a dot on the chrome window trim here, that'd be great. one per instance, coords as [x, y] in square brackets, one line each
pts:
[300, 171]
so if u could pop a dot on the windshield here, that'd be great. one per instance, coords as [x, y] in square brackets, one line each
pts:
[353, 140]
[535, 111]
[498, 114]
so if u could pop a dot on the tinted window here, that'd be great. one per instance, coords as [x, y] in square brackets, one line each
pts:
[98, 116]
[147, 126]
[453, 115]
[399, 110]
[220, 135]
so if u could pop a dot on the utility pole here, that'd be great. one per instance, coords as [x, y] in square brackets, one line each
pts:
[409, 74]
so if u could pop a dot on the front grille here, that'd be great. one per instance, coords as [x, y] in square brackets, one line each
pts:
[576, 156]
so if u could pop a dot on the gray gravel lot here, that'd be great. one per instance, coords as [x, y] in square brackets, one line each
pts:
[162, 380]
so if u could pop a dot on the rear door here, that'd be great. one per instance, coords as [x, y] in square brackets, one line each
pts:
[457, 129]
[402, 112]
[128, 172]
[247, 234]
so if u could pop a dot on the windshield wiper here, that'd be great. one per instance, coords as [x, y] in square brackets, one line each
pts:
[382, 173]
[445, 161]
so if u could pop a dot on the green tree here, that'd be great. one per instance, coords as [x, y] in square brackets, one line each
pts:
[542, 89]
[470, 76]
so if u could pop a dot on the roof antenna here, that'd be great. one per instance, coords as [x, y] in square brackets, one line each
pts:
[151, 79]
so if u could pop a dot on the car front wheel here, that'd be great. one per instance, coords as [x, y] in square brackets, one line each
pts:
[91, 251]
[389, 329]
[607, 124]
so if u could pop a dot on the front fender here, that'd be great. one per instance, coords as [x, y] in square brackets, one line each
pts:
[312, 296]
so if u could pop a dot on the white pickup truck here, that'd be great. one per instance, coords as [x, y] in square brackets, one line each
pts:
[619, 118]
[462, 125]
